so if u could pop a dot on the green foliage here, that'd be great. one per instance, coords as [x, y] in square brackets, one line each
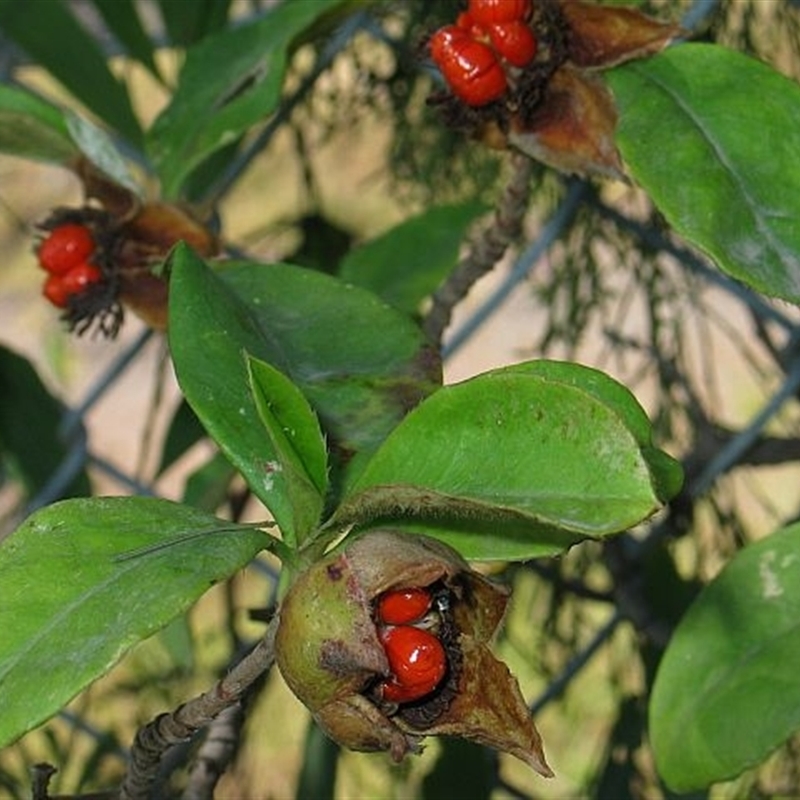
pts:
[229, 83]
[78, 61]
[77, 594]
[534, 448]
[32, 128]
[712, 135]
[323, 393]
[726, 693]
[407, 263]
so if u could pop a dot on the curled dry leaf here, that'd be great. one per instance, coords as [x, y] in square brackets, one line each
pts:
[330, 650]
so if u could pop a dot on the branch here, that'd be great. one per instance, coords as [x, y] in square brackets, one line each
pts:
[167, 730]
[485, 252]
[214, 755]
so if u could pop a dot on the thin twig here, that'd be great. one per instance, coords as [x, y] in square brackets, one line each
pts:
[486, 250]
[215, 754]
[157, 737]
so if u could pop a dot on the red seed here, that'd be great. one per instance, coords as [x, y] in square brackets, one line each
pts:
[403, 606]
[65, 247]
[54, 291]
[78, 278]
[470, 68]
[417, 660]
[490, 12]
[514, 41]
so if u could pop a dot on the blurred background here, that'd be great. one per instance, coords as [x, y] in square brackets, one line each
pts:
[356, 152]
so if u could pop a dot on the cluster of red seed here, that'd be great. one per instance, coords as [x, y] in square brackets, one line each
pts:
[416, 656]
[474, 54]
[65, 253]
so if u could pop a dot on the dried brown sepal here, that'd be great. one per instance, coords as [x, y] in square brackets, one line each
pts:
[604, 36]
[329, 652]
[143, 242]
[489, 709]
[573, 129]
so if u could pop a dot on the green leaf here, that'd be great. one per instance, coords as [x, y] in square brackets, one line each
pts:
[187, 23]
[70, 606]
[317, 778]
[726, 693]
[207, 487]
[230, 81]
[361, 363]
[297, 440]
[464, 769]
[407, 263]
[32, 128]
[210, 329]
[51, 36]
[712, 135]
[666, 473]
[29, 427]
[511, 464]
[124, 22]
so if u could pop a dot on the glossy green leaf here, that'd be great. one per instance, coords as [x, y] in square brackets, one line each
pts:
[123, 20]
[71, 603]
[712, 135]
[51, 36]
[230, 81]
[296, 439]
[407, 263]
[29, 429]
[726, 693]
[361, 363]
[510, 464]
[666, 473]
[33, 128]
[210, 330]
